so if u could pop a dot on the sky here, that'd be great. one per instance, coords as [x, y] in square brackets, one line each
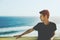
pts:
[28, 7]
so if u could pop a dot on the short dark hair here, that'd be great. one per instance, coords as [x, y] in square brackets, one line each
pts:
[45, 12]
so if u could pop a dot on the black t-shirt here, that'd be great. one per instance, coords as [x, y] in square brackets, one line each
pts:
[45, 32]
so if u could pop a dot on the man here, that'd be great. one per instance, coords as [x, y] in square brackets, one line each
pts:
[46, 29]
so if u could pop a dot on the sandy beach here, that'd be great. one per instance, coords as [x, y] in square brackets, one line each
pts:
[22, 38]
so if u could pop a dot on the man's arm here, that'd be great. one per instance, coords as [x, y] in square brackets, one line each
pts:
[28, 31]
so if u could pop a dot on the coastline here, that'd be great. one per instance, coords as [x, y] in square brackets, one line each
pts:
[23, 38]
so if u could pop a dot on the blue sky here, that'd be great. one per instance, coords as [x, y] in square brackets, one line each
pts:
[28, 7]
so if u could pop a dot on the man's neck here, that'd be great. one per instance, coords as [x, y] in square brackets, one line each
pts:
[46, 22]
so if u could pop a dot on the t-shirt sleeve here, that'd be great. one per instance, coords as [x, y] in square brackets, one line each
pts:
[54, 28]
[36, 27]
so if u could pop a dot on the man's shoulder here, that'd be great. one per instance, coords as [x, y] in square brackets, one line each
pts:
[52, 23]
[49, 21]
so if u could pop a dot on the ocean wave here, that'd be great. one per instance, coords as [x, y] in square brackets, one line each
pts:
[11, 31]
[15, 28]
[34, 33]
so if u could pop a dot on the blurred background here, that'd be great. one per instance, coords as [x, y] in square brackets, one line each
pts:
[17, 16]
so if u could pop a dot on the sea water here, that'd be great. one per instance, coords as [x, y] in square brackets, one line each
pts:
[10, 26]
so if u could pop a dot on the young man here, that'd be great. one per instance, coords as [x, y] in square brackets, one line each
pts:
[46, 29]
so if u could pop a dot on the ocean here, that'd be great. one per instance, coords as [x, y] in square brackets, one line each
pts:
[10, 26]
[15, 25]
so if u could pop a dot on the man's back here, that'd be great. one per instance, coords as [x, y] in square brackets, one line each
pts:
[45, 32]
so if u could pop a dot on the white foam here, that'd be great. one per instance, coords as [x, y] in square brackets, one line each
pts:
[14, 28]
[34, 33]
